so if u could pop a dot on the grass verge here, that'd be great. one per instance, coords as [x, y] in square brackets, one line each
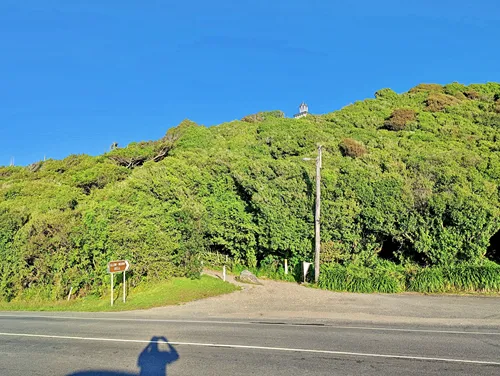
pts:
[387, 278]
[175, 291]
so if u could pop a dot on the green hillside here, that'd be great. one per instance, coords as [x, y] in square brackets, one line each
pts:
[410, 193]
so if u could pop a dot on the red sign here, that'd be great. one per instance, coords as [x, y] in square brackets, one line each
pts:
[118, 266]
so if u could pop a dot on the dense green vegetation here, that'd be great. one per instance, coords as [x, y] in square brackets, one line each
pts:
[387, 278]
[410, 189]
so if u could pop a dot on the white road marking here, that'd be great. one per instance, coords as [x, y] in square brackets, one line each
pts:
[284, 349]
[270, 323]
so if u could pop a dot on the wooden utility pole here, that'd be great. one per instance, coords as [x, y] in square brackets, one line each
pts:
[317, 233]
[317, 213]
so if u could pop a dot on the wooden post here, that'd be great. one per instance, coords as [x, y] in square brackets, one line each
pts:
[111, 289]
[317, 247]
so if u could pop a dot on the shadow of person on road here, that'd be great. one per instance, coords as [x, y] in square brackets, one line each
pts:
[152, 361]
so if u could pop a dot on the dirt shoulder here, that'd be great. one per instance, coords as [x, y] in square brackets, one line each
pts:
[292, 302]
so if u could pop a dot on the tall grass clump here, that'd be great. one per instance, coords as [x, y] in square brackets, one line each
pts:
[470, 278]
[386, 282]
[426, 280]
[361, 279]
[333, 278]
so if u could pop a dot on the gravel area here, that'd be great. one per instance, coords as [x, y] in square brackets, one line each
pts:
[292, 302]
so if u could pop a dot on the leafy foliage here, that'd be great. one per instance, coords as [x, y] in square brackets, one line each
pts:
[261, 116]
[242, 189]
[400, 118]
[427, 88]
[352, 148]
[438, 102]
[386, 93]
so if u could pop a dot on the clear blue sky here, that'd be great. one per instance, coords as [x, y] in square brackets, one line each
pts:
[76, 75]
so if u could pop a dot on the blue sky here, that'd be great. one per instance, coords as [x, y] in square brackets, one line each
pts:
[77, 75]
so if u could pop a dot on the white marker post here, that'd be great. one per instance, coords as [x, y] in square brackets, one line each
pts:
[224, 273]
[286, 266]
[305, 267]
[124, 287]
[117, 267]
[112, 300]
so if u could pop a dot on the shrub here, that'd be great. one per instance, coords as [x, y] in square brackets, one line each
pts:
[332, 252]
[438, 102]
[255, 118]
[136, 154]
[427, 88]
[35, 167]
[456, 89]
[496, 107]
[386, 93]
[460, 96]
[461, 91]
[261, 116]
[472, 94]
[352, 148]
[399, 119]
[175, 133]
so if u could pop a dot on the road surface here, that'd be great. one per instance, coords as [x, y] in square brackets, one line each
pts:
[113, 344]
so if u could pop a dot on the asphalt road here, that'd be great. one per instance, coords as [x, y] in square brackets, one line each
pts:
[86, 344]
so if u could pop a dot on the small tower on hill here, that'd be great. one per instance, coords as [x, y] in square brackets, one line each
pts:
[303, 111]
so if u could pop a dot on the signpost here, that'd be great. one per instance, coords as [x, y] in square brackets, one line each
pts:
[117, 267]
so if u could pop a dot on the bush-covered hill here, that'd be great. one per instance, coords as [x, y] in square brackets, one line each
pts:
[408, 180]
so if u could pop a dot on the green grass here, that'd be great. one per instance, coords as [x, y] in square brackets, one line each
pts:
[427, 280]
[175, 291]
[360, 279]
[464, 278]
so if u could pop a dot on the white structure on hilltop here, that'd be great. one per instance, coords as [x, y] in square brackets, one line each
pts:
[303, 111]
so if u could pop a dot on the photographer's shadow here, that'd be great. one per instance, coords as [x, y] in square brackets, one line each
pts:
[152, 361]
